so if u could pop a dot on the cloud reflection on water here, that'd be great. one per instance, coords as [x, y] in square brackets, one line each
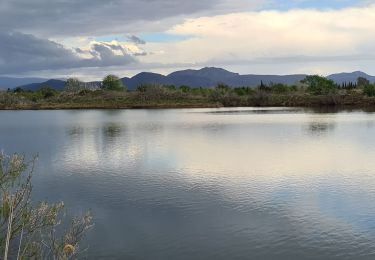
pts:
[302, 175]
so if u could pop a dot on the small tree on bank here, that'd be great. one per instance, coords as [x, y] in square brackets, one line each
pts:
[74, 85]
[318, 85]
[113, 83]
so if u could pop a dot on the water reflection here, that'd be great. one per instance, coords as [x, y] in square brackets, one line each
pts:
[320, 127]
[208, 184]
[74, 131]
[250, 111]
[113, 130]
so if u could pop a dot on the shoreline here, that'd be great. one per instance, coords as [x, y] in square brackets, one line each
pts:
[370, 107]
[177, 100]
[111, 107]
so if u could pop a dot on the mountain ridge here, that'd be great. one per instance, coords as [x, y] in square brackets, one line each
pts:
[206, 77]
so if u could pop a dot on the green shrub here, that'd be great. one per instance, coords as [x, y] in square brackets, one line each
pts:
[369, 90]
[112, 82]
[318, 85]
[47, 92]
[280, 88]
[185, 89]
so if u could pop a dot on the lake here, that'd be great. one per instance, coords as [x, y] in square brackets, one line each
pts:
[240, 183]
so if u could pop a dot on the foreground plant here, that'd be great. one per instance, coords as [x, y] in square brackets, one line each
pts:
[28, 231]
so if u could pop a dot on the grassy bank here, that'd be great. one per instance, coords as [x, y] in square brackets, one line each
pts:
[100, 99]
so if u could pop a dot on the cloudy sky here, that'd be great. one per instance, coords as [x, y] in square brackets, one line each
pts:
[91, 38]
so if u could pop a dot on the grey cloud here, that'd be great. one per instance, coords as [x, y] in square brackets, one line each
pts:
[135, 39]
[89, 16]
[59, 18]
[21, 53]
[142, 53]
[79, 51]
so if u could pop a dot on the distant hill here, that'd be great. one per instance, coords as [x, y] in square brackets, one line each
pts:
[340, 78]
[206, 77]
[52, 83]
[9, 82]
[144, 78]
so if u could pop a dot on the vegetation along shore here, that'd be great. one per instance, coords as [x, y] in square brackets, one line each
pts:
[111, 93]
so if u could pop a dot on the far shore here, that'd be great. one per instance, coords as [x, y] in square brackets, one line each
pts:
[314, 92]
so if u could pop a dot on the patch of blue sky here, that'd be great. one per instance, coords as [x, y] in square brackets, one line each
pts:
[163, 37]
[312, 4]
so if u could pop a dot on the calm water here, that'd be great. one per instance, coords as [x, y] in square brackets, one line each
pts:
[208, 183]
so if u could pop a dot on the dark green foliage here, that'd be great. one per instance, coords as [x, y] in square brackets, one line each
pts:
[47, 92]
[200, 92]
[348, 86]
[113, 83]
[185, 89]
[318, 85]
[263, 87]
[18, 90]
[171, 87]
[142, 88]
[369, 90]
[244, 91]
[280, 88]
[223, 87]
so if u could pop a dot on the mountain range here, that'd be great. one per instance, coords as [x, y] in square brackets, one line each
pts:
[206, 77]
[9, 82]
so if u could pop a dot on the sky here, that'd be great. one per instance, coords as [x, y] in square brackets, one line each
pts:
[92, 38]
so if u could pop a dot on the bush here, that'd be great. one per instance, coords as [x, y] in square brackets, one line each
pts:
[280, 88]
[369, 90]
[28, 231]
[155, 92]
[113, 83]
[185, 89]
[318, 85]
[243, 91]
[47, 92]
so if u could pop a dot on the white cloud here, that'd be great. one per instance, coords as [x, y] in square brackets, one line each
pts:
[288, 37]
[21, 53]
